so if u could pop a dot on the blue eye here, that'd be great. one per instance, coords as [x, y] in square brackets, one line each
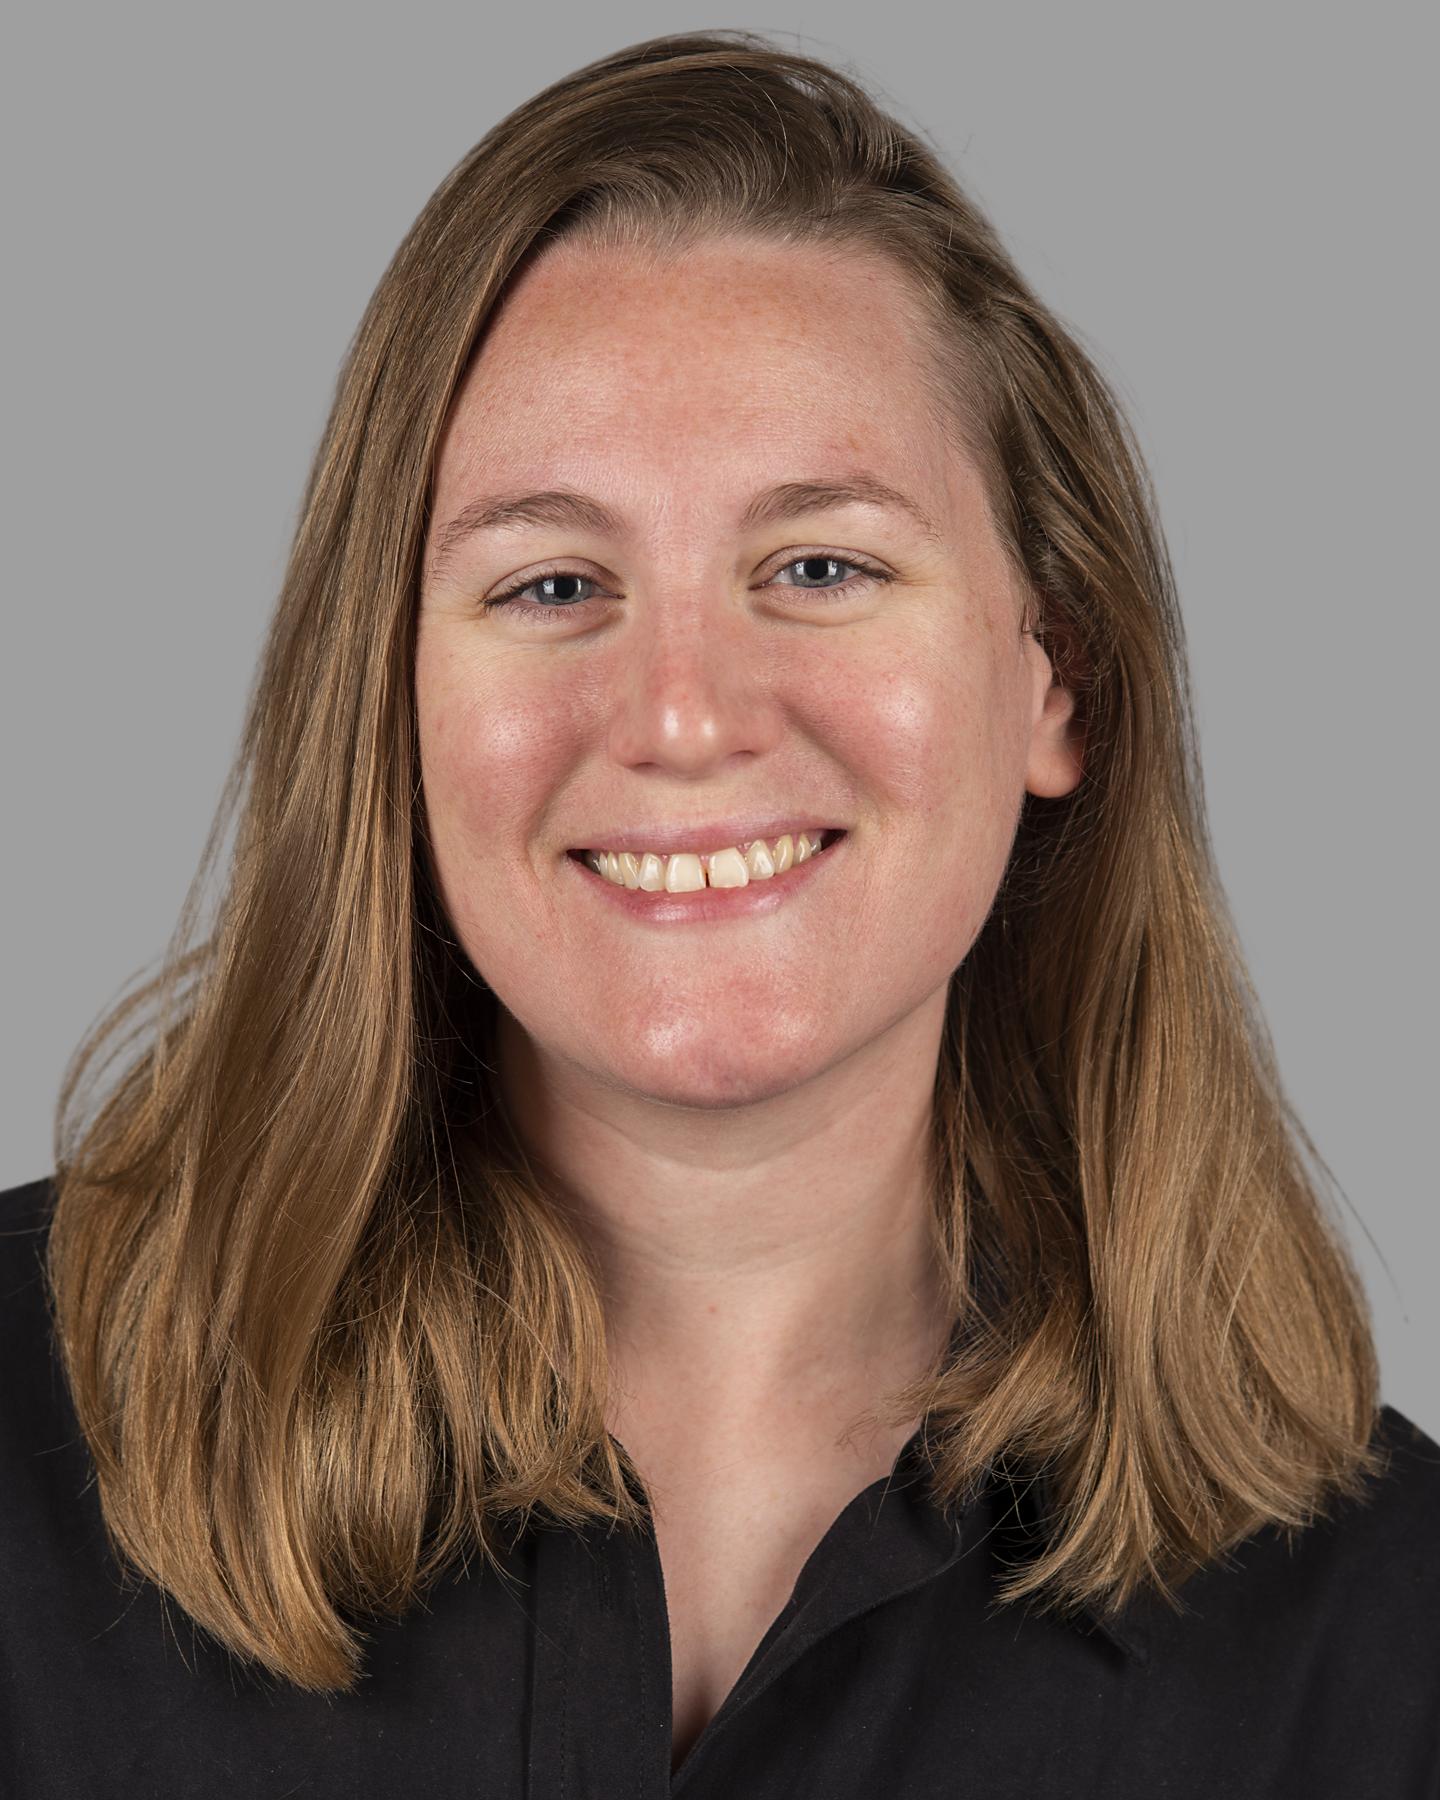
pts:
[558, 603]
[561, 602]
[838, 562]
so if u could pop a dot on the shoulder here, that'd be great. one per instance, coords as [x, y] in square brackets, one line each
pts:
[28, 1201]
[1359, 1583]
[1393, 1527]
[1407, 1492]
[1389, 1540]
[24, 1230]
[33, 1388]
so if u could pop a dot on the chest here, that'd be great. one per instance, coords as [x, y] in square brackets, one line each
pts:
[728, 1575]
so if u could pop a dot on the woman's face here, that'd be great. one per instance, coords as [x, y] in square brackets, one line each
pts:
[677, 669]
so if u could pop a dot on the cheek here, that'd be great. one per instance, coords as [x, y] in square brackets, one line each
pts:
[493, 752]
[934, 737]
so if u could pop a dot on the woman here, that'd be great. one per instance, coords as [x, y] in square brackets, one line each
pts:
[715, 1212]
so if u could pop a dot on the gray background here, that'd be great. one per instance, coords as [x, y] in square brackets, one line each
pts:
[1228, 203]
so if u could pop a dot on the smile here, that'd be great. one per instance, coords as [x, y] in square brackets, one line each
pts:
[685, 872]
[608, 875]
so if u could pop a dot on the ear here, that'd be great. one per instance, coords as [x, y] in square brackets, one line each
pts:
[1055, 763]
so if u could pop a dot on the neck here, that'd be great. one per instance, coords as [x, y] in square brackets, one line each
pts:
[763, 1267]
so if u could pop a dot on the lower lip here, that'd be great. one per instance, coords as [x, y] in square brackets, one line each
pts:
[707, 905]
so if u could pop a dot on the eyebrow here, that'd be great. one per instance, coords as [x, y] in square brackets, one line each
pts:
[567, 506]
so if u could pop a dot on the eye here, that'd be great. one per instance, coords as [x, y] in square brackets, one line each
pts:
[569, 602]
[867, 571]
[557, 603]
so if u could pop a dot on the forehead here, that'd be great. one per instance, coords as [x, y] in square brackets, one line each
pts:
[730, 349]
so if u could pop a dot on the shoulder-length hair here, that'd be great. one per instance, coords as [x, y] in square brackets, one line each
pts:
[323, 1325]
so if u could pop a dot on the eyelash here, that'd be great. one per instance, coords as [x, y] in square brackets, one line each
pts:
[868, 570]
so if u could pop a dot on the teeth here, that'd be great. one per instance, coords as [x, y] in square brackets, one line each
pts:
[685, 872]
[727, 869]
[759, 863]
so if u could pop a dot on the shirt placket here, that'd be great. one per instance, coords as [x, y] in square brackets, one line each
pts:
[887, 1542]
[600, 1680]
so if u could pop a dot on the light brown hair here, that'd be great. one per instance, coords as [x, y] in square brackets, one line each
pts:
[324, 1327]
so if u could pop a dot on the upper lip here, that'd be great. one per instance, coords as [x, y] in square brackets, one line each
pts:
[671, 840]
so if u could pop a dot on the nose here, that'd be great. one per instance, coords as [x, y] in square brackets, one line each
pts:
[698, 686]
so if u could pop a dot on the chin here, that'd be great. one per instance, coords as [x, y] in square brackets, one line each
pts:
[717, 1074]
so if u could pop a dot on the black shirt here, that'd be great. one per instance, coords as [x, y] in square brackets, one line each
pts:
[889, 1673]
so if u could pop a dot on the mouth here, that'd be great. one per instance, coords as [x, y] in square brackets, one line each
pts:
[678, 891]
[757, 861]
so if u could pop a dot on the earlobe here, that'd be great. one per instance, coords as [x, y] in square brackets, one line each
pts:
[1057, 736]
[1057, 739]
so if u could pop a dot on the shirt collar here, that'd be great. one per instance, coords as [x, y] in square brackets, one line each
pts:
[1035, 1496]
[1035, 1500]
[1029, 1509]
